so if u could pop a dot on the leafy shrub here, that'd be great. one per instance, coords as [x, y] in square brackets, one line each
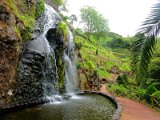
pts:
[119, 90]
[78, 45]
[127, 91]
[151, 89]
[157, 95]
[122, 80]
[141, 93]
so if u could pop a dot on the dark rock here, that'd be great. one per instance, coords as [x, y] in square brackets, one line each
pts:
[54, 38]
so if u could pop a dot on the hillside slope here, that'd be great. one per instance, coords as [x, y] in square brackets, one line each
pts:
[94, 68]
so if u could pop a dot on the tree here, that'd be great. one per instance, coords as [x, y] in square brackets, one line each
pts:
[143, 46]
[93, 21]
[118, 43]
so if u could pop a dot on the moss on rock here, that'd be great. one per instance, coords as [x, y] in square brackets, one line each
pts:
[62, 30]
[26, 13]
[60, 66]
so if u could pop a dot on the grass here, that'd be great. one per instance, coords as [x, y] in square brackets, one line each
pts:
[102, 62]
[132, 92]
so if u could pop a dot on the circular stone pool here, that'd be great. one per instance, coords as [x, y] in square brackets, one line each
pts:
[81, 107]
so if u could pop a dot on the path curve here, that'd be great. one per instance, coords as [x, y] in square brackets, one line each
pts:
[133, 110]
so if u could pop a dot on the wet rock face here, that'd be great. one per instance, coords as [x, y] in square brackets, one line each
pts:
[53, 38]
[40, 62]
[29, 84]
[57, 43]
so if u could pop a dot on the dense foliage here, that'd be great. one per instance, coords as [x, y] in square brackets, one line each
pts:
[118, 43]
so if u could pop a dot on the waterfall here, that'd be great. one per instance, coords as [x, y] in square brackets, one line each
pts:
[70, 68]
[50, 21]
[42, 60]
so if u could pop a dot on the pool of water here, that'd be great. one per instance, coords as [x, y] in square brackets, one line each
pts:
[82, 107]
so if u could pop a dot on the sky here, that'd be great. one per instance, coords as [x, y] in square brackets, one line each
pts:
[124, 16]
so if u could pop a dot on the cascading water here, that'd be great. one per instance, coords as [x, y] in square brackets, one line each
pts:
[45, 61]
[37, 73]
[70, 69]
[50, 21]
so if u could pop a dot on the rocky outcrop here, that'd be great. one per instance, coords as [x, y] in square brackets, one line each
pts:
[31, 62]
[29, 82]
[41, 66]
[8, 53]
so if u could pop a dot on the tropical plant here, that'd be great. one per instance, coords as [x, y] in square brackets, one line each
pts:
[144, 45]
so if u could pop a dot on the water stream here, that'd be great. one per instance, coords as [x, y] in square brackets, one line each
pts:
[50, 21]
[70, 68]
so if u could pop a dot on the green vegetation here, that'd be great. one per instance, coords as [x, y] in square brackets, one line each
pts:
[149, 95]
[40, 8]
[132, 92]
[26, 14]
[94, 21]
[110, 56]
[122, 80]
[27, 19]
[101, 64]
[62, 30]
[146, 42]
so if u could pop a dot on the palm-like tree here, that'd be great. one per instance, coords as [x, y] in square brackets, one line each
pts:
[145, 42]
